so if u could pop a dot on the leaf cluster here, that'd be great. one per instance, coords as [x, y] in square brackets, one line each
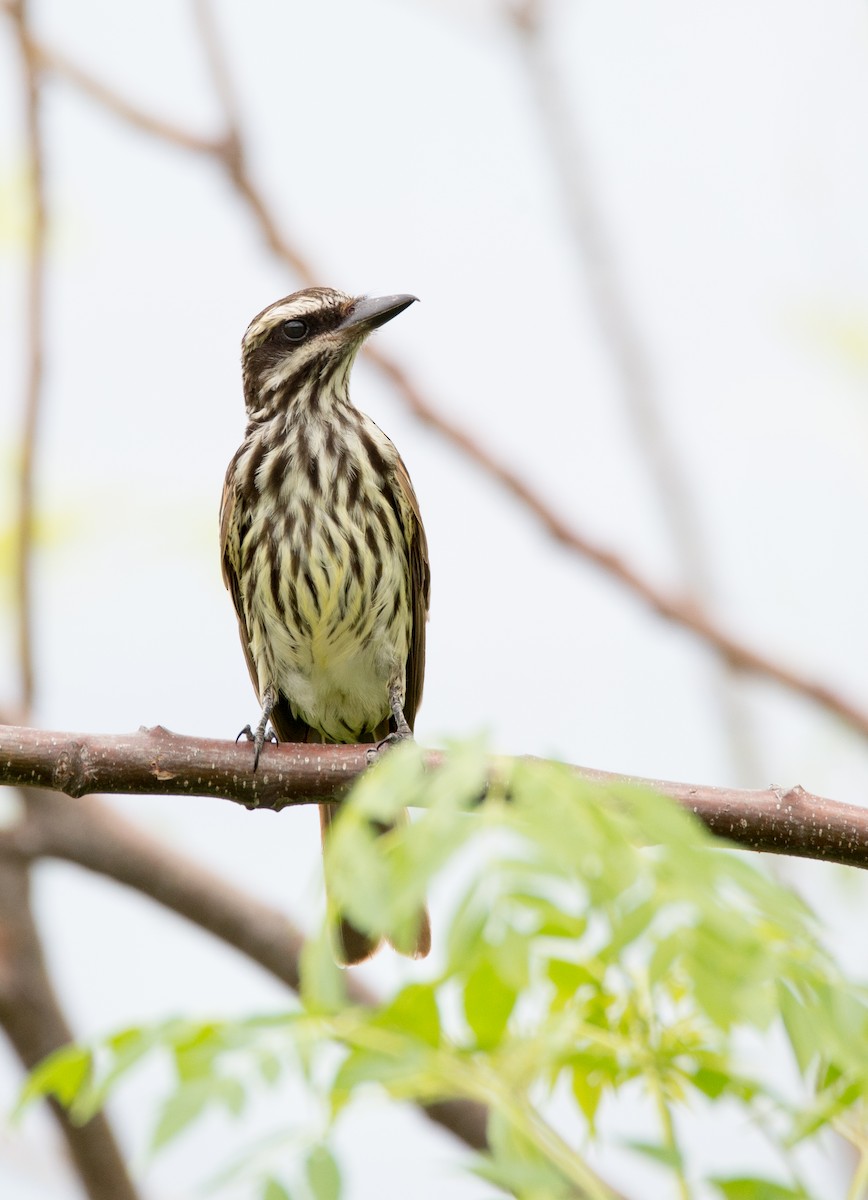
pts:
[602, 946]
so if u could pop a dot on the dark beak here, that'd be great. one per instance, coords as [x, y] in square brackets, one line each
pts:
[369, 313]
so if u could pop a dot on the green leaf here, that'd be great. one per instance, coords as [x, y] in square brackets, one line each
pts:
[843, 1020]
[509, 956]
[800, 1026]
[273, 1189]
[323, 1174]
[63, 1074]
[409, 1070]
[751, 1188]
[322, 987]
[666, 1156]
[195, 1047]
[628, 927]
[525, 1179]
[711, 1082]
[464, 938]
[831, 1104]
[569, 978]
[269, 1066]
[587, 1087]
[179, 1111]
[414, 1011]
[552, 921]
[128, 1047]
[189, 1101]
[488, 1003]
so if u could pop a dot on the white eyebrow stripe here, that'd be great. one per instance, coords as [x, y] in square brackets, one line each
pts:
[287, 310]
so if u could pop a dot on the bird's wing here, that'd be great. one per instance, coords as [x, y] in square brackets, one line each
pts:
[287, 727]
[230, 560]
[420, 592]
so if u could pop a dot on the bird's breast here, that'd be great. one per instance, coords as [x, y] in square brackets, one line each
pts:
[330, 613]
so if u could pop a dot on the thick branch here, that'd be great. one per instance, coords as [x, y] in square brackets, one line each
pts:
[32, 1019]
[158, 762]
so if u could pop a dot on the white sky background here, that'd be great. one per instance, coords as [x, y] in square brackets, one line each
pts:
[729, 148]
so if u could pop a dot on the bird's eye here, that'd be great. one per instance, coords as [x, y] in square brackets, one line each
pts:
[294, 331]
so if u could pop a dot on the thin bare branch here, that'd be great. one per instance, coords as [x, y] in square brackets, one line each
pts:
[155, 761]
[233, 154]
[677, 609]
[218, 66]
[64, 68]
[31, 1017]
[33, 339]
[30, 1013]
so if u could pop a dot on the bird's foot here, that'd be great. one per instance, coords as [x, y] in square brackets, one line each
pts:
[263, 732]
[259, 736]
[392, 739]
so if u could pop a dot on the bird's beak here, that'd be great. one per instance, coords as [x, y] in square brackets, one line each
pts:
[369, 313]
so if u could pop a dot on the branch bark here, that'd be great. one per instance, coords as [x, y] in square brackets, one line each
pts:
[155, 761]
[32, 1019]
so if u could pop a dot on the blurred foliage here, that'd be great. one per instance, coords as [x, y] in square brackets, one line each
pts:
[50, 529]
[16, 217]
[603, 947]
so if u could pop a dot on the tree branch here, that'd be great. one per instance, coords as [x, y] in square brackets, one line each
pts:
[32, 1019]
[34, 315]
[86, 832]
[157, 762]
[30, 1012]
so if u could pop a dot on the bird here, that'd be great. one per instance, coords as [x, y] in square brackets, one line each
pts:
[323, 548]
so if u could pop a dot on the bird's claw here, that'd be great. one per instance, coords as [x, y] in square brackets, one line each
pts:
[262, 734]
[391, 739]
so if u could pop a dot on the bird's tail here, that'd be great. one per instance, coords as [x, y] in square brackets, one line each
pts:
[350, 945]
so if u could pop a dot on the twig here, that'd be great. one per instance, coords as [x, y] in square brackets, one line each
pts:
[673, 608]
[233, 153]
[33, 309]
[32, 1019]
[157, 762]
[86, 832]
[58, 64]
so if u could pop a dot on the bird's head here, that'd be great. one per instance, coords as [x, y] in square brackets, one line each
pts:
[305, 344]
